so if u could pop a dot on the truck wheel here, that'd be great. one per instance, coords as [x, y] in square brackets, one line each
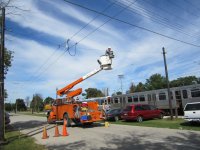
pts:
[48, 120]
[139, 119]
[161, 116]
[116, 118]
[67, 119]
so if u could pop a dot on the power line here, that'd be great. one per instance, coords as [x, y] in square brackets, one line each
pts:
[87, 36]
[133, 25]
[191, 13]
[159, 19]
[68, 48]
[84, 28]
[170, 13]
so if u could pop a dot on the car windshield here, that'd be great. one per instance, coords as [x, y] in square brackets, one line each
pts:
[112, 111]
[128, 108]
[192, 107]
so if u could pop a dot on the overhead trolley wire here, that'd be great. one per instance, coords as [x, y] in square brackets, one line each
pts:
[133, 25]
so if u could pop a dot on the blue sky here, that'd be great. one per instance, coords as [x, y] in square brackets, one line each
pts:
[35, 31]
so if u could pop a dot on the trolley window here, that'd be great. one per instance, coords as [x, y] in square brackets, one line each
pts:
[195, 93]
[162, 96]
[109, 100]
[154, 97]
[171, 94]
[149, 97]
[116, 100]
[142, 98]
[185, 94]
[130, 99]
[135, 98]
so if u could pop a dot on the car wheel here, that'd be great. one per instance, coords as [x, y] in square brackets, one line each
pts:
[116, 118]
[161, 116]
[139, 119]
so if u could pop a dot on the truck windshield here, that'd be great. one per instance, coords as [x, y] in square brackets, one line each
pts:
[190, 107]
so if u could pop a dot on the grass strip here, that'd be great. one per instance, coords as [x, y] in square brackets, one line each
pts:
[16, 141]
[163, 123]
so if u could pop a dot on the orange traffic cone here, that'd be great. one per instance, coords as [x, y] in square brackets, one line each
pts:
[56, 131]
[64, 132]
[45, 136]
[65, 122]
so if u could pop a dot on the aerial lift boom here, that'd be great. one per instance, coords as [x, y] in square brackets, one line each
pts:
[105, 63]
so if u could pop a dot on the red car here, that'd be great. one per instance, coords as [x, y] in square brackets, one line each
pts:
[140, 112]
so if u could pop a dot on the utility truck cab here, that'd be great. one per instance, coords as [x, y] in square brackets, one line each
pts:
[192, 112]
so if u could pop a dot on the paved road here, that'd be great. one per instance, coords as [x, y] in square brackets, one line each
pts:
[115, 137]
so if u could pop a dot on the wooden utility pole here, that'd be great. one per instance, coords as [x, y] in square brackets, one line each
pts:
[167, 80]
[2, 119]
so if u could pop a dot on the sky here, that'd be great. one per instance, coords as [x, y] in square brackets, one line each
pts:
[57, 42]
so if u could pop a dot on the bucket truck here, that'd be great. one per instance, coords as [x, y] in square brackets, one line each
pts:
[76, 111]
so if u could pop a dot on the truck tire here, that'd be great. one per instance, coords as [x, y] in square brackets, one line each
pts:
[161, 116]
[139, 119]
[116, 118]
[68, 120]
[48, 120]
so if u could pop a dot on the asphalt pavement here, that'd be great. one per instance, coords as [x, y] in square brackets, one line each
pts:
[98, 137]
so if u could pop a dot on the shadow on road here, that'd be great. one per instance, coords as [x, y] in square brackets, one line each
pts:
[191, 124]
[144, 142]
[22, 125]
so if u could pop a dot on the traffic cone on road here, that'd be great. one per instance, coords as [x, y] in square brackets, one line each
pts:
[65, 122]
[56, 131]
[45, 136]
[64, 132]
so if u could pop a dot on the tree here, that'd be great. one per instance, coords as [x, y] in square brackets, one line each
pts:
[93, 92]
[140, 87]
[8, 107]
[37, 103]
[119, 93]
[156, 81]
[8, 58]
[132, 88]
[48, 100]
[184, 81]
[20, 105]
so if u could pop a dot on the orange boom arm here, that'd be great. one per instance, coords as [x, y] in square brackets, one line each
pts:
[105, 62]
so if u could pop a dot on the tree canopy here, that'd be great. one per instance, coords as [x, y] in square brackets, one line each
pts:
[37, 103]
[8, 58]
[157, 81]
[20, 105]
[93, 92]
[48, 100]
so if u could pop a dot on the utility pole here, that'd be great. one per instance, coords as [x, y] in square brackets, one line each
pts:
[2, 118]
[121, 76]
[168, 88]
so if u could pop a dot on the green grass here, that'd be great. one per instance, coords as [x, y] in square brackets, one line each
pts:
[163, 123]
[20, 142]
